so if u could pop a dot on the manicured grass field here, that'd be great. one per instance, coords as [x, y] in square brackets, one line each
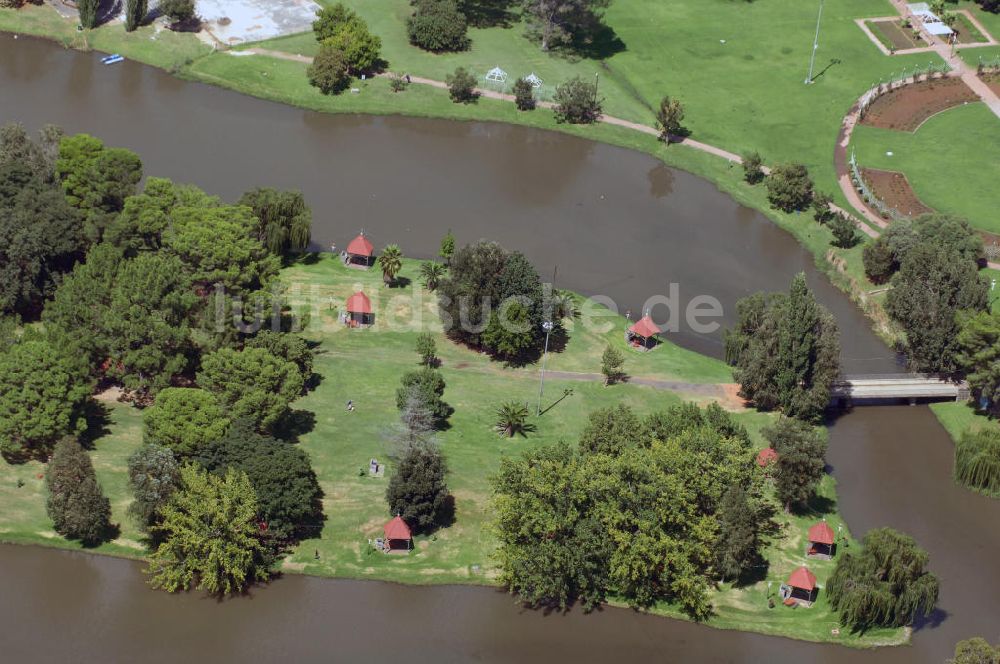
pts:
[950, 161]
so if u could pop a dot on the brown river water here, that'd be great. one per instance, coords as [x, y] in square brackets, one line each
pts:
[616, 223]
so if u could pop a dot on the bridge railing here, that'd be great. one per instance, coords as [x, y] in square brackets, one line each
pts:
[895, 376]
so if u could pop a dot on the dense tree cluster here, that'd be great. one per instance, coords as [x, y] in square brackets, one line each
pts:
[785, 350]
[885, 584]
[884, 256]
[636, 511]
[150, 290]
[934, 284]
[341, 29]
[493, 299]
[41, 236]
[288, 493]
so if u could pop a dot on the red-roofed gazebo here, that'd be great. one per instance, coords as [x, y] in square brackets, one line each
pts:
[397, 535]
[360, 251]
[359, 310]
[801, 587]
[822, 541]
[643, 332]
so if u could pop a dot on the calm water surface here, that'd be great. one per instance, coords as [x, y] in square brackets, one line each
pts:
[614, 222]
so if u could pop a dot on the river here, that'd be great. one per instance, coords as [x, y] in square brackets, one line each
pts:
[616, 223]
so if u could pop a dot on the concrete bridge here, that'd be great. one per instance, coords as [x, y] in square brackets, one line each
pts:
[849, 389]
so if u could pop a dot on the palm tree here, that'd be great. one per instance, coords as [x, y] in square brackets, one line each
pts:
[512, 418]
[563, 305]
[391, 262]
[431, 273]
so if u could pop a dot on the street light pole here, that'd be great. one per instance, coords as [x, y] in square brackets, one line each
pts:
[812, 59]
[547, 326]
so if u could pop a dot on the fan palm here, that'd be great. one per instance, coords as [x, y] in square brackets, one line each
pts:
[431, 273]
[512, 419]
[391, 262]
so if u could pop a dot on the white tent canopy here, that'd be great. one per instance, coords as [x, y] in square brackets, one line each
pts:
[533, 78]
[496, 75]
[934, 25]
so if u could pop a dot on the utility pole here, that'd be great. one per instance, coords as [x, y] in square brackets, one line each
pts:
[812, 60]
[547, 326]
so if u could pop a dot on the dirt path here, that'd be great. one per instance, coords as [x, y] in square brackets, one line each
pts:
[493, 94]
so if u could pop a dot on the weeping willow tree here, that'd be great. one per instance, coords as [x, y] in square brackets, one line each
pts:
[886, 584]
[977, 461]
[284, 219]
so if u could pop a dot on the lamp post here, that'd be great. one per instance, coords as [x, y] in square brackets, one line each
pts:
[812, 59]
[547, 326]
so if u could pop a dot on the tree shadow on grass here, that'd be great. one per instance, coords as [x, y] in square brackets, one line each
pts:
[598, 42]
[489, 13]
[98, 417]
[297, 423]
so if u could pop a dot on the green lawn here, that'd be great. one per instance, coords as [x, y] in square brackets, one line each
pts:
[950, 161]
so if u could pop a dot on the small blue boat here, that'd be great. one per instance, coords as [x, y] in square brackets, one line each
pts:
[112, 59]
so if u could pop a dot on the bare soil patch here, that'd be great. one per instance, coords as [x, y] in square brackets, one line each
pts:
[895, 36]
[895, 190]
[906, 108]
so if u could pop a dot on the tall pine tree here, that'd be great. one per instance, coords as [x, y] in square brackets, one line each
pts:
[77, 506]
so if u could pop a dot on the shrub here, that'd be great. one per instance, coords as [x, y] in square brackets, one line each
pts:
[577, 102]
[524, 95]
[438, 25]
[977, 461]
[329, 71]
[752, 171]
[397, 83]
[462, 86]
[789, 187]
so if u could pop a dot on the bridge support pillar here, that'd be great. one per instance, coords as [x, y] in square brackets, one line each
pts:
[913, 401]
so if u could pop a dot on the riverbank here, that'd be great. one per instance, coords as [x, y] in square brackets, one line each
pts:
[364, 366]
[763, 128]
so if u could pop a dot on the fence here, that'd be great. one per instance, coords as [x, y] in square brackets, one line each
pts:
[905, 77]
[869, 196]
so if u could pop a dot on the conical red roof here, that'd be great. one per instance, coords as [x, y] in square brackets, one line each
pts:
[645, 327]
[359, 304]
[802, 578]
[397, 529]
[821, 533]
[361, 246]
